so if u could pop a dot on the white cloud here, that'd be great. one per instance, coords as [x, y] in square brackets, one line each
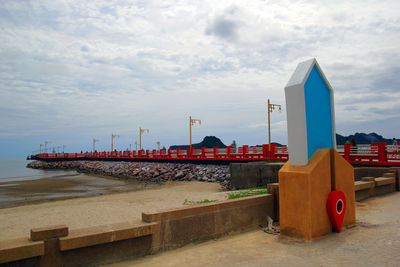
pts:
[81, 68]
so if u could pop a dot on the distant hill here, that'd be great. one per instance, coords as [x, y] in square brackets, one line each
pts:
[363, 138]
[208, 142]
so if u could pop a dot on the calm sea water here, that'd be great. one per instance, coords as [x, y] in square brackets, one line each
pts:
[16, 170]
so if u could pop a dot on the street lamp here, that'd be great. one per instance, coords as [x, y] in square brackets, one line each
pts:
[112, 140]
[140, 136]
[271, 107]
[192, 122]
[45, 146]
[94, 143]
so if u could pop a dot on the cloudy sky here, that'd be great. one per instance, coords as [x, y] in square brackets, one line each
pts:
[74, 70]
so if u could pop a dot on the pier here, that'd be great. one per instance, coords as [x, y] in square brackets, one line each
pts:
[375, 154]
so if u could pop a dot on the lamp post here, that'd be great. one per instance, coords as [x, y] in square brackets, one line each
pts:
[45, 146]
[271, 107]
[192, 122]
[94, 143]
[112, 141]
[140, 136]
[136, 145]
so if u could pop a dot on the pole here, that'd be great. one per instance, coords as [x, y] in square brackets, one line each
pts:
[112, 142]
[190, 130]
[140, 138]
[269, 126]
[271, 107]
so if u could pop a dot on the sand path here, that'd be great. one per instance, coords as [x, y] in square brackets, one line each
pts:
[99, 210]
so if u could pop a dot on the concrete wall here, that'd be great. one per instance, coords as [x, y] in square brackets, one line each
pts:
[247, 175]
[182, 226]
[359, 173]
[162, 230]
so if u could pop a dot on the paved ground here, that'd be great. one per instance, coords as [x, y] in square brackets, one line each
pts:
[374, 241]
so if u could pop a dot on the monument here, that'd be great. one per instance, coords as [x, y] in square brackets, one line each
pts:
[315, 169]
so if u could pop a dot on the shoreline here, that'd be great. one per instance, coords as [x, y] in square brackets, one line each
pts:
[62, 187]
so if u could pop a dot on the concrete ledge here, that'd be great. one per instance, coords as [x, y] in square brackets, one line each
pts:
[384, 185]
[368, 179]
[364, 189]
[20, 248]
[362, 185]
[182, 226]
[91, 236]
[389, 174]
[42, 233]
[396, 171]
[169, 214]
[379, 181]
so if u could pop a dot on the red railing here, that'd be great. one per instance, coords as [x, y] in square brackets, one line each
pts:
[378, 154]
[243, 153]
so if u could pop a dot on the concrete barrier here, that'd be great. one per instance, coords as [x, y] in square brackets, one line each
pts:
[93, 246]
[362, 172]
[185, 225]
[364, 189]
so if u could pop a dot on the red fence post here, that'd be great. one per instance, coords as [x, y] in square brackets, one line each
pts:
[347, 149]
[215, 151]
[228, 152]
[245, 150]
[382, 153]
[265, 152]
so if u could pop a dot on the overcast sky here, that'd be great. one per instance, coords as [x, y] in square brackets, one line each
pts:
[74, 70]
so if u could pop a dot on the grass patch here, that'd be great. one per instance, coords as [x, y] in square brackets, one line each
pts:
[205, 201]
[247, 193]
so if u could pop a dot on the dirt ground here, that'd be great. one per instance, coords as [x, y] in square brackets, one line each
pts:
[98, 210]
[374, 241]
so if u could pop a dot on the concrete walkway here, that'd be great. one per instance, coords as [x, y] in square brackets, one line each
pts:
[374, 241]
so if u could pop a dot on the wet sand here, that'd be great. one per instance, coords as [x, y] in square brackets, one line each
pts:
[99, 210]
[17, 193]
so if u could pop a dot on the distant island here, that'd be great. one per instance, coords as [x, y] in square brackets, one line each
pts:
[208, 142]
[358, 138]
[363, 138]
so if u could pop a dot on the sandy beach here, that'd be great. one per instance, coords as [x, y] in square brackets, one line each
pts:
[98, 210]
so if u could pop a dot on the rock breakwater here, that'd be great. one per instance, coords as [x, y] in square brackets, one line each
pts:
[145, 171]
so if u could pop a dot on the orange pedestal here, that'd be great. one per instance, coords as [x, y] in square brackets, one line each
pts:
[304, 190]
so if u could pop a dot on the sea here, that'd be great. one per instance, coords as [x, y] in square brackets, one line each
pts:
[15, 170]
[20, 185]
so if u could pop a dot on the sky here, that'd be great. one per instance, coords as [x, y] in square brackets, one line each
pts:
[71, 71]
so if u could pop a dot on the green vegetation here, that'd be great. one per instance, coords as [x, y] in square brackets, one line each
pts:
[205, 201]
[248, 192]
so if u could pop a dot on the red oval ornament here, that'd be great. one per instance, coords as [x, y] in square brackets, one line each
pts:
[336, 208]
